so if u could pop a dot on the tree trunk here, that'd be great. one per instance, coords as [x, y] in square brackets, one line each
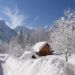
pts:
[66, 56]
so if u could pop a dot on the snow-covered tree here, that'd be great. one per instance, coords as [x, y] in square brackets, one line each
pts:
[20, 44]
[4, 47]
[62, 36]
[20, 39]
[41, 34]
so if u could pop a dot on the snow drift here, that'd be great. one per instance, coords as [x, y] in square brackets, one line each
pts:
[49, 65]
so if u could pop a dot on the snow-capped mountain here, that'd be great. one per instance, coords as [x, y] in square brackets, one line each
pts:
[24, 29]
[5, 32]
[40, 34]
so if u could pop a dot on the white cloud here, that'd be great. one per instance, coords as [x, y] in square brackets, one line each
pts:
[15, 17]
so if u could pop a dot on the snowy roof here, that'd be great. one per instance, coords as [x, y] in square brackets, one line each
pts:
[39, 45]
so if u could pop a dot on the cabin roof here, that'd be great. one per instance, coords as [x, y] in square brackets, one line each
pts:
[39, 45]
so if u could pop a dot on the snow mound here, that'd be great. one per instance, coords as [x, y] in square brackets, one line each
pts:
[38, 46]
[72, 59]
[26, 55]
[49, 65]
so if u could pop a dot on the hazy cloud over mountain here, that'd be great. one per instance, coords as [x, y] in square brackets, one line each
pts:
[16, 18]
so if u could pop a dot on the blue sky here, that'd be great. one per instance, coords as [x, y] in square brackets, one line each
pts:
[33, 13]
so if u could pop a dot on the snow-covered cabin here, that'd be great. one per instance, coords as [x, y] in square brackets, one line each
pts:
[42, 49]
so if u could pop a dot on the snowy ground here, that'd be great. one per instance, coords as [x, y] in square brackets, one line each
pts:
[49, 65]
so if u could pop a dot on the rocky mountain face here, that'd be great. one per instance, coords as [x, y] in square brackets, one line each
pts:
[6, 33]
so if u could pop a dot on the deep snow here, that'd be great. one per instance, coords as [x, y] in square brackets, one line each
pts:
[48, 65]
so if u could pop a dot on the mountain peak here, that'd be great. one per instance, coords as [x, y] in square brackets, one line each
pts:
[6, 33]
